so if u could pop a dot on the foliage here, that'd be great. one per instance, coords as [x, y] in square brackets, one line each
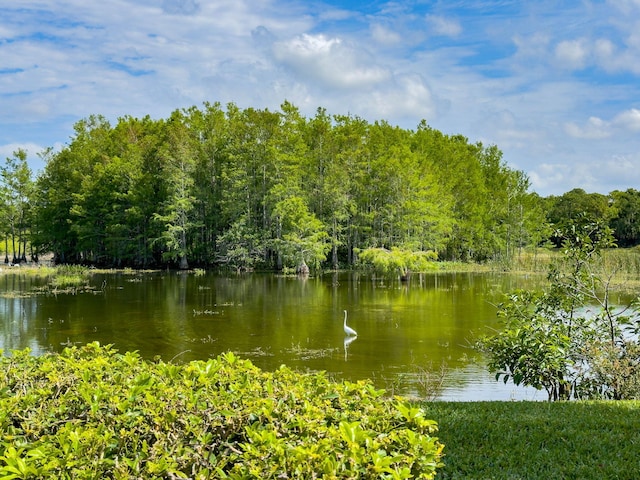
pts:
[187, 189]
[177, 191]
[613, 369]
[92, 412]
[16, 192]
[577, 208]
[396, 262]
[590, 440]
[554, 340]
[625, 221]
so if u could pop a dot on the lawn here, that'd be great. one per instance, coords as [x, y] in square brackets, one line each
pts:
[538, 440]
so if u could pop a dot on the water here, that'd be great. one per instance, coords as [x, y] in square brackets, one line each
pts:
[404, 330]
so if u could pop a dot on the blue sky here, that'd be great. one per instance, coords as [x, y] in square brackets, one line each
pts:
[554, 84]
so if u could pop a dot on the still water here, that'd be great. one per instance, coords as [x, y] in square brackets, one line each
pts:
[404, 330]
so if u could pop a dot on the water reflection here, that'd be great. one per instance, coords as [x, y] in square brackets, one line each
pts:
[346, 342]
[276, 320]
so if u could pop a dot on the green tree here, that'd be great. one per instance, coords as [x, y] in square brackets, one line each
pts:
[250, 171]
[345, 188]
[178, 164]
[210, 129]
[326, 181]
[301, 239]
[457, 167]
[396, 262]
[141, 192]
[62, 181]
[17, 196]
[181, 191]
[577, 206]
[626, 220]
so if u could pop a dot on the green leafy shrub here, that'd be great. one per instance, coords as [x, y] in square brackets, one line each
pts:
[92, 412]
[570, 339]
[396, 262]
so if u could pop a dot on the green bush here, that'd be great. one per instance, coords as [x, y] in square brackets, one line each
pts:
[570, 338]
[92, 412]
[396, 262]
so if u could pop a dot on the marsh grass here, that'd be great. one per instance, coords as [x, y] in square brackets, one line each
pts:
[69, 278]
[624, 261]
[533, 260]
[538, 440]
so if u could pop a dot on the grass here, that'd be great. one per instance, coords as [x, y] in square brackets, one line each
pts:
[538, 440]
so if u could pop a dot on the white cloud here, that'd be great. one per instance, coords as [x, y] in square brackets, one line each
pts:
[330, 61]
[595, 129]
[384, 35]
[439, 25]
[598, 129]
[547, 177]
[572, 54]
[626, 6]
[408, 97]
[495, 80]
[180, 7]
[629, 119]
[604, 50]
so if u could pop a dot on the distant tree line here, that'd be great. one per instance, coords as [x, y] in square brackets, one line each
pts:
[244, 189]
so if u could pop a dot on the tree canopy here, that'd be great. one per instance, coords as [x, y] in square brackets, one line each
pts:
[248, 188]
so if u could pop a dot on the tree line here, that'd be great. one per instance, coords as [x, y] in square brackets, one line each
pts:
[248, 188]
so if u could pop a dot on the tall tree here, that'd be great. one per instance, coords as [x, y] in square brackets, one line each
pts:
[17, 194]
[62, 181]
[178, 156]
[210, 129]
[210, 186]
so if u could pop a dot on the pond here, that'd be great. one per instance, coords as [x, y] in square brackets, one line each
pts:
[408, 333]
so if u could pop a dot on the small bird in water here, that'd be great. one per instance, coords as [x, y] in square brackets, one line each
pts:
[348, 330]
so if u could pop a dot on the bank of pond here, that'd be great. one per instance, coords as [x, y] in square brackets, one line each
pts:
[94, 412]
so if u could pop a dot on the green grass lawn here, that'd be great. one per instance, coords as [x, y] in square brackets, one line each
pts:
[538, 440]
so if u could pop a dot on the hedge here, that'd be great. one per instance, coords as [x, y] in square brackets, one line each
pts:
[92, 412]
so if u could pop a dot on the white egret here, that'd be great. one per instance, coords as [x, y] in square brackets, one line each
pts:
[348, 330]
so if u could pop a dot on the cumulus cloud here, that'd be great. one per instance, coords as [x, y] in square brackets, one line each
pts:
[330, 61]
[629, 119]
[407, 97]
[491, 74]
[547, 176]
[594, 129]
[573, 54]
[624, 56]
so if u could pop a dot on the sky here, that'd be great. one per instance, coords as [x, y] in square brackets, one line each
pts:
[555, 85]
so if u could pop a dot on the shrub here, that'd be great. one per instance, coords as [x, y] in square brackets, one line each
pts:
[92, 412]
[396, 262]
[570, 339]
